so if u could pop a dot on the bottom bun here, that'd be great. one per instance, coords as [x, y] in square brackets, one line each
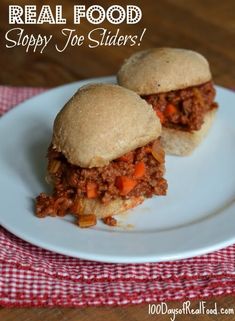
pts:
[181, 143]
[93, 206]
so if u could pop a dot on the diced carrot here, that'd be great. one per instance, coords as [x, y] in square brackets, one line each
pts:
[125, 184]
[139, 170]
[160, 115]
[128, 157]
[170, 110]
[91, 190]
[87, 220]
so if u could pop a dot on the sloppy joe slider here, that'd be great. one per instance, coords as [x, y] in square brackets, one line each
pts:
[178, 84]
[105, 156]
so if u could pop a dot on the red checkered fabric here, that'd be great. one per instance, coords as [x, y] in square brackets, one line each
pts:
[31, 276]
[11, 96]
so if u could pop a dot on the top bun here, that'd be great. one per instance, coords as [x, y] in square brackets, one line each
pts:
[161, 70]
[101, 122]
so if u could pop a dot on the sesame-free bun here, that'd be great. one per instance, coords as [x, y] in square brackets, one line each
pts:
[114, 207]
[161, 70]
[182, 143]
[101, 122]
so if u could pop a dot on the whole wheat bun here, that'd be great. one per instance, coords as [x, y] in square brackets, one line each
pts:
[182, 143]
[114, 207]
[101, 122]
[161, 70]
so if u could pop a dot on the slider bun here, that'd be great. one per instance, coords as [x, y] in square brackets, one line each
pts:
[182, 143]
[161, 70]
[101, 122]
[117, 206]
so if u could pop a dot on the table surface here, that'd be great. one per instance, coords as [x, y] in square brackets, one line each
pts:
[207, 26]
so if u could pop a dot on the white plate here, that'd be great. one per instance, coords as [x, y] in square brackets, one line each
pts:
[197, 216]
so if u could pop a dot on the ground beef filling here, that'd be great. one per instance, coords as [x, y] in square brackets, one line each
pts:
[184, 109]
[137, 173]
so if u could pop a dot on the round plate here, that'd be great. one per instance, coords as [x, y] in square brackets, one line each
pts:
[197, 216]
